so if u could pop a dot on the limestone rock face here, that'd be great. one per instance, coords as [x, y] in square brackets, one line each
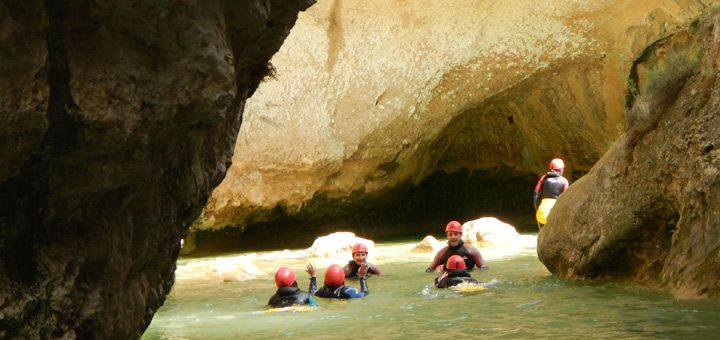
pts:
[370, 94]
[117, 121]
[649, 211]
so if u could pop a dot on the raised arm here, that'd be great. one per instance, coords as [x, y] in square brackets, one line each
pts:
[310, 269]
[536, 192]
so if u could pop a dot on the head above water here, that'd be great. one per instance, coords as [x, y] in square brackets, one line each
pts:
[359, 253]
[359, 248]
[453, 231]
[334, 276]
[557, 164]
[284, 277]
[455, 262]
[453, 226]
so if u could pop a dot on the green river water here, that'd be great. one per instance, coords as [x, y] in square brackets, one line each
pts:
[523, 301]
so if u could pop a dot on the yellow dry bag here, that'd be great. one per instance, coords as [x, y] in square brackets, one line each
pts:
[544, 210]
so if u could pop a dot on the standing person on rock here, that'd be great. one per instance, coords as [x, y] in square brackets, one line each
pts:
[547, 190]
[456, 246]
[288, 293]
[359, 255]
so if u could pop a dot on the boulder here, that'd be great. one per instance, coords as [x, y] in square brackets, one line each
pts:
[337, 245]
[490, 232]
[428, 244]
[649, 211]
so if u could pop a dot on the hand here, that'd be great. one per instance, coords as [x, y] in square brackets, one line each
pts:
[310, 270]
[362, 271]
[442, 276]
[440, 268]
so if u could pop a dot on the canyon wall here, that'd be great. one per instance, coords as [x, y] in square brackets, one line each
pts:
[371, 98]
[118, 119]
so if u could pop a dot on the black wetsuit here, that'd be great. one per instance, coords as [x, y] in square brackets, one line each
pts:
[454, 278]
[550, 185]
[354, 267]
[289, 296]
[343, 292]
[469, 253]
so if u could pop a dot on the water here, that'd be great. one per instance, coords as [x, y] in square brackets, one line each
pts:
[523, 301]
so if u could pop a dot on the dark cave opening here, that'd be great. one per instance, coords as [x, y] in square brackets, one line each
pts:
[405, 211]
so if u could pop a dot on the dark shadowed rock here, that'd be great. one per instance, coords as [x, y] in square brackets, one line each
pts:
[118, 119]
[649, 211]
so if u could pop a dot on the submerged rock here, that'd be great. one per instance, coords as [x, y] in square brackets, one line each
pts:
[221, 269]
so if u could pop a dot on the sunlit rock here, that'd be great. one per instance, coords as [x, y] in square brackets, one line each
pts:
[283, 254]
[428, 244]
[337, 245]
[490, 232]
[370, 94]
[221, 269]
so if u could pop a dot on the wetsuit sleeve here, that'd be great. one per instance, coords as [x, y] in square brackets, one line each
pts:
[313, 286]
[566, 184]
[437, 261]
[363, 286]
[273, 300]
[537, 191]
[374, 270]
[538, 186]
[477, 257]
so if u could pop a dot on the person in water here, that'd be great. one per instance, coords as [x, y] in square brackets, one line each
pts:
[359, 261]
[456, 246]
[547, 190]
[335, 285]
[288, 293]
[455, 273]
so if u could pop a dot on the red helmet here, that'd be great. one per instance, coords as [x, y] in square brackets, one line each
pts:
[359, 248]
[284, 277]
[455, 262]
[557, 164]
[334, 276]
[453, 226]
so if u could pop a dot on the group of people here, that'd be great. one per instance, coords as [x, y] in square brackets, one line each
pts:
[453, 262]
